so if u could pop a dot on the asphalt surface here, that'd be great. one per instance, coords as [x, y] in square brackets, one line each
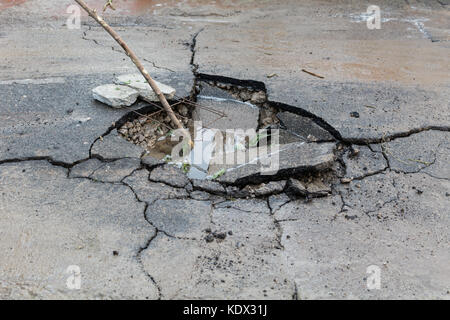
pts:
[75, 196]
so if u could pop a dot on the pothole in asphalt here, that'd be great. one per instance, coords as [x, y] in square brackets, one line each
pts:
[236, 133]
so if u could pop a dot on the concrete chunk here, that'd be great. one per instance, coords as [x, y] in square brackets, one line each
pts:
[115, 95]
[138, 82]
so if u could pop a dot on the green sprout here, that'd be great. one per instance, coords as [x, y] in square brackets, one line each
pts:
[218, 174]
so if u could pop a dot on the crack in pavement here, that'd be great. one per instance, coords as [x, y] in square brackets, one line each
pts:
[120, 51]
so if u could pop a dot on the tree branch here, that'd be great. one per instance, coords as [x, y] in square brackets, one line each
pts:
[138, 64]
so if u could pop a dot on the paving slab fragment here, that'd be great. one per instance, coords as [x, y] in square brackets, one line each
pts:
[138, 83]
[50, 222]
[113, 146]
[291, 159]
[115, 96]
[148, 191]
[180, 218]
[170, 175]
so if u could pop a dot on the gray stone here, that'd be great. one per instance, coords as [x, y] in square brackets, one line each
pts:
[138, 83]
[170, 175]
[238, 115]
[180, 218]
[366, 162]
[148, 191]
[115, 95]
[304, 127]
[49, 222]
[113, 146]
[291, 159]
[209, 186]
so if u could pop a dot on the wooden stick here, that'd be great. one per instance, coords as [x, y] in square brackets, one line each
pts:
[138, 64]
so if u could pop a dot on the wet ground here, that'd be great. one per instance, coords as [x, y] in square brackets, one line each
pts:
[372, 192]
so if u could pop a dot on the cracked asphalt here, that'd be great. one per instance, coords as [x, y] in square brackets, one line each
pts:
[73, 193]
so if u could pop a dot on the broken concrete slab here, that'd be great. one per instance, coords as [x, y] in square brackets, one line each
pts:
[113, 146]
[137, 82]
[148, 191]
[170, 175]
[53, 223]
[363, 162]
[238, 115]
[180, 218]
[115, 96]
[304, 127]
[291, 159]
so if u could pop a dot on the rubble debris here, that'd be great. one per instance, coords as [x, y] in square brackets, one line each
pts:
[292, 159]
[115, 96]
